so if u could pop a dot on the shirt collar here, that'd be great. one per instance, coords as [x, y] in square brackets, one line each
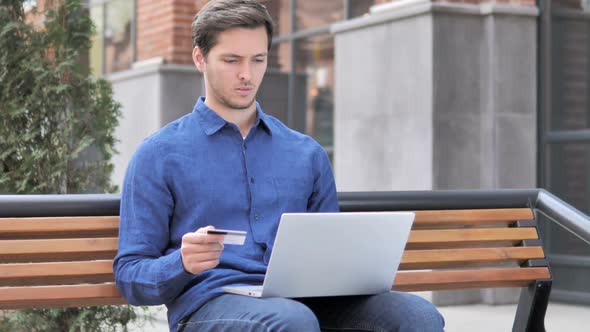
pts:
[211, 122]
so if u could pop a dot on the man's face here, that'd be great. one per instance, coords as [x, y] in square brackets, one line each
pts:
[234, 67]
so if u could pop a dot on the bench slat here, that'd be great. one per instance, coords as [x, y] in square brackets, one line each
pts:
[59, 296]
[23, 226]
[20, 228]
[30, 274]
[18, 247]
[472, 217]
[441, 238]
[460, 279]
[448, 258]
[57, 249]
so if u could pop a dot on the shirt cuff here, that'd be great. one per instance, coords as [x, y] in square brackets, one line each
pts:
[172, 274]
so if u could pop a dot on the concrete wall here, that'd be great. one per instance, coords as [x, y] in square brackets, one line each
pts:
[383, 106]
[151, 97]
[459, 64]
[485, 119]
[437, 96]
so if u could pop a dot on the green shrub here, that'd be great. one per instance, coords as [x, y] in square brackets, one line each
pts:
[57, 126]
[92, 319]
[57, 122]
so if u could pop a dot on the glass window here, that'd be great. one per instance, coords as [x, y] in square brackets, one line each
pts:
[279, 57]
[570, 74]
[360, 7]
[112, 47]
[301, 69]
[569, 179]
[279, 11]
[570, 277]
[312, 13]
[273, 94]
[95, 56]
[315, 62]
[570, 4]
[118, 48]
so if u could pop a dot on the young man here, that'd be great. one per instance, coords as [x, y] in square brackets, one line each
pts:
[228, 165]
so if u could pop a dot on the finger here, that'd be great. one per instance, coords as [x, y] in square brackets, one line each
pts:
[214, 237]
[198, 267]
[189, 248]
[197, 238]
[202, 257]
[203, 230]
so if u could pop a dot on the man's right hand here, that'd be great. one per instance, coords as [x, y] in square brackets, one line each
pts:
[200, 251]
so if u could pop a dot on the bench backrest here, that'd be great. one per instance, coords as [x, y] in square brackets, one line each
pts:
[457, 249]
[67, 261]
[58, 262]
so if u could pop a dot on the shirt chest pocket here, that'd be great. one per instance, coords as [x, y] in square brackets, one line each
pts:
[293, 193]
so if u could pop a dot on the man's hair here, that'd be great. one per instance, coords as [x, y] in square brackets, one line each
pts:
[221, 15]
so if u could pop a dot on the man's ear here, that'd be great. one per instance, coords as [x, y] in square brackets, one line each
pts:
[199, 59]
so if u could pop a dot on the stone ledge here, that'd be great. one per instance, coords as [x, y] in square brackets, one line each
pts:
[150, 69]
[403, 9]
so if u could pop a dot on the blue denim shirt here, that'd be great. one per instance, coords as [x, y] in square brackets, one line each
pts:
[199, 171]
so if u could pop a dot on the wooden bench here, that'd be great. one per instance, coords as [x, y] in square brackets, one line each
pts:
[66, 261]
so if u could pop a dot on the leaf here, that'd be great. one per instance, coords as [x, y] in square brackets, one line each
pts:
[82, 145]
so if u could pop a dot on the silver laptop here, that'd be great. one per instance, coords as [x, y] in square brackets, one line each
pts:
[333, 254]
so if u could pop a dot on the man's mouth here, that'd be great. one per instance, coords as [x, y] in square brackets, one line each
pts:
[244, 91]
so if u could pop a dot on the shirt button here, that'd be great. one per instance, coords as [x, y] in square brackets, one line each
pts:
[256, 216]
[251, 180]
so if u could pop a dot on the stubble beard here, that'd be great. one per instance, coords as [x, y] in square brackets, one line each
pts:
[236, 106]
[225, 100]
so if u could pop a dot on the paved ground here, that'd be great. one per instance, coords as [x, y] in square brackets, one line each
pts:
[480, 318]
[486, 318]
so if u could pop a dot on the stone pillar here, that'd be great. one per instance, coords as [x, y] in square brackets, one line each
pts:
[437, 95]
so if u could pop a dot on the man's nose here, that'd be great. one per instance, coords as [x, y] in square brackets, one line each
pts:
[245, 71]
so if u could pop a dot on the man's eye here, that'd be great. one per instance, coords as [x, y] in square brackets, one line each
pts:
[259, 60]
[230, 61]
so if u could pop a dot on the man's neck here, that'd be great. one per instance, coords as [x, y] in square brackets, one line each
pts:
[244, 118]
